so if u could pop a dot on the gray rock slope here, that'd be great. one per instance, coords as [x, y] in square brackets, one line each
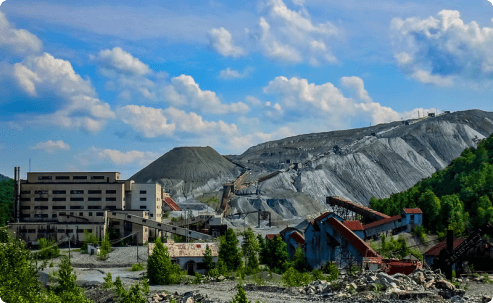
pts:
[367, 162]
[356, 164]
[188, 172]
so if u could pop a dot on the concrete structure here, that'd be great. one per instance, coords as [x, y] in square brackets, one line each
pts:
[61, 204]
[190, 256]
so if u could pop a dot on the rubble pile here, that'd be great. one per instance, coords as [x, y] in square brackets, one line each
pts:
[420, 284]
[188, 297]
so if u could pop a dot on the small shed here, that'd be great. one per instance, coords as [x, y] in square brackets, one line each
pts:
[92, 249]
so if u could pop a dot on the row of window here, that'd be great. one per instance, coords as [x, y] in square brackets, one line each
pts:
[71, 207]
[72, 192]
[71, 199]
[68, 177]
[33, 231]
[98, 214]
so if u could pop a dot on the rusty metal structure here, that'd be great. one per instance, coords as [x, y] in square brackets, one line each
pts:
[348, 210]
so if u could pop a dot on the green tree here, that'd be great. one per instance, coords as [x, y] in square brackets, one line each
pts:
[250, 247]
[105, 248]
[6, 201]
[299, 260]
[277, 255]
[241, 296]
[160, 269]
[208, 258]
[133, 295]
[48, 248]
[262, 254]
[66, 288]
[229, 251]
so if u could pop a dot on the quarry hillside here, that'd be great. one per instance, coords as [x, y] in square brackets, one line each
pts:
[292, 176]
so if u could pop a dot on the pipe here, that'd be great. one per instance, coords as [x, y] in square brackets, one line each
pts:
[16, 214]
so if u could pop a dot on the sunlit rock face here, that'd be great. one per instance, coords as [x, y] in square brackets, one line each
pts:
[356, 164]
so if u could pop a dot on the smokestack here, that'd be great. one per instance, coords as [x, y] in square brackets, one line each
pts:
[15, 194]
[18, 192]
[450, 248]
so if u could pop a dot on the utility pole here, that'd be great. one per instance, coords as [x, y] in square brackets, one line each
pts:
[137, 247]
[69, 258]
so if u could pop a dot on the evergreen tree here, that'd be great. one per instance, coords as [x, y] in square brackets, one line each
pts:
[277, 255]
[262, 254]
[229, 251]
[208, 258]
[250, 247]
[160, 269]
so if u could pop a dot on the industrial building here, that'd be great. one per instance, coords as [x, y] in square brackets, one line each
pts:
[337, 237]
[64, 204]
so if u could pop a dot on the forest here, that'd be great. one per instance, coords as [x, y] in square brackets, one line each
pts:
[6, 201]
[457, 197]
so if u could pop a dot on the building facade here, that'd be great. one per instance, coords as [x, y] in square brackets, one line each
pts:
[64, 204]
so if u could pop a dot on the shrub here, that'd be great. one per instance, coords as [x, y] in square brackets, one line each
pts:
[317, 274]
[66, 288]
[137, 267]
[48, 248]
[419, 231]
[213, 273]
[208, 258]
[160, 269]
[332, 270]
[277, 255]
[51, 264]
[486, 278]
[299, 260]
[108, 281]
[88, 238]
[292, 277]
[241, 296]
[105, 248]
[133, 295]
[198, 278]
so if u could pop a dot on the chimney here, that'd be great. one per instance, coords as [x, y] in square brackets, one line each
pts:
[16, 215]
[18, 192]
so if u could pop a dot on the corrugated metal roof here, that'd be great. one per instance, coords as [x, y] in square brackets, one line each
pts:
[380, 222]
[354, 225]
[435, 250]
[412, 210]
[363, 248]
[171, 204]
[177, 250]
[362, 207]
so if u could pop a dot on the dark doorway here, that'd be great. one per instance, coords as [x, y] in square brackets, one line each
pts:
[190, 268]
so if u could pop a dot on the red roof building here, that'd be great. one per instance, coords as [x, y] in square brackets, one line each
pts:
[297, 237]
[361, 246]
[380, 222]
[171, 204]
[270, 236]
[354, 225]
[412, 210]
[435, 250]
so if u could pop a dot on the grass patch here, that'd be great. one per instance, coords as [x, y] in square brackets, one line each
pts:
[137, 267]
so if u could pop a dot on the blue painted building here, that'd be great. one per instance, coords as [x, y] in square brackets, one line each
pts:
[327, 239]
[294, 239]
[404, 222]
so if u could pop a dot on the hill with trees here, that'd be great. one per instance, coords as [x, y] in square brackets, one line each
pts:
[457, 197]
[6, 201]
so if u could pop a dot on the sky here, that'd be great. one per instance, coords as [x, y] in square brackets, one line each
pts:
[113, 85]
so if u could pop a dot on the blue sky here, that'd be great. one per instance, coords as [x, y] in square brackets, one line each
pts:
[113, 85]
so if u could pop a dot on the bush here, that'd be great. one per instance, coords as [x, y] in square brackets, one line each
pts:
[160, 269]
[48, 248]
[88, 238]
[108, 281]
[299, 260]
[241, 296]
[105, 248]
[66, 288]
[317, 274]
[332, 270]
[213, 273]
[292, 277]
[277, 255]
[137, 267]
[419, 231]
[133, 295]
[51, 264]
[198, 278]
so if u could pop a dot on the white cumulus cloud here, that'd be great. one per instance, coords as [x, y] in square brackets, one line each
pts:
[147, 120]
[229, 73]
[443, 50]
[50, 146]
[18, 40]
[185, 92]
[45, 76]
[221, 41]
[122, 61]
[99, 155]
